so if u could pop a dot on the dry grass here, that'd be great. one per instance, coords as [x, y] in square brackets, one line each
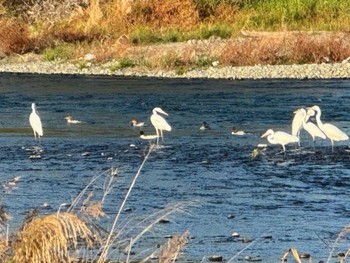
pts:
[14, 37]
[108, 30]
[49, 238]
[170, 251]
[161, 14]
[294, 253]
[340, 237]
[286, 48]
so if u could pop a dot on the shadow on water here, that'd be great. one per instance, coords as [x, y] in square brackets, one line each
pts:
[297, 199]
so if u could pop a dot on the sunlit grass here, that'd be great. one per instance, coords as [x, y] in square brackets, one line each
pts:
[156, 21]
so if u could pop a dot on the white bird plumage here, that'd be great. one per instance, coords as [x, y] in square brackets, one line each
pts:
[235, 131]
[332, 132]
[70, 119]
[35, 122]
[159, 123]
[310, 127]
[148, 137]
[297, 123]
[279, 137]
[136, 123]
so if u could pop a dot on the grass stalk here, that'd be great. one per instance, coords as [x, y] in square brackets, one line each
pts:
[242, 250]
[341, 235]
[106, 246]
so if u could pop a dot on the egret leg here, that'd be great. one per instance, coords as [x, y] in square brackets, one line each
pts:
[284, 151]
[161, 135]
[332, 146]
[157, 136]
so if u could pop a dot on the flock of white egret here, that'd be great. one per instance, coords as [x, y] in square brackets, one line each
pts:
[301, 121]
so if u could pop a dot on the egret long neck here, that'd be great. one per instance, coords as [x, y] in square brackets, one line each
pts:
[318, 119]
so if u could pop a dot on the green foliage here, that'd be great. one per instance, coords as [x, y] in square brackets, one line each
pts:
[298, 14]
[123, 63]
[61, 51]
[218, 30]
[181, 70]
[204, 62]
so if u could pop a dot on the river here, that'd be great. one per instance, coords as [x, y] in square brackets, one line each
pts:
[273, 201]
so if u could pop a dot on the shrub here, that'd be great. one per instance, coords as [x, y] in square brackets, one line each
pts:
[14, 37]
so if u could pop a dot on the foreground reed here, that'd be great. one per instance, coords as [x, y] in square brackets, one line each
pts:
[77, 235]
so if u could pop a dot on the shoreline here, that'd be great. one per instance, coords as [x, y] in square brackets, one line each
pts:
[302, 71]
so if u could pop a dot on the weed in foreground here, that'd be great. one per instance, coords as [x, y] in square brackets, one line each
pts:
[47, 239]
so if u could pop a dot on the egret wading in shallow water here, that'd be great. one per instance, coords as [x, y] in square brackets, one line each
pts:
[279, 137]
[35, 122]
[159, 123]
[310, 127]
[332, 132]
[70, 119]
[136, 123]
[297, 123]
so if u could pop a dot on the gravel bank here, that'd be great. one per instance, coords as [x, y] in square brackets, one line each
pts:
[307, 71]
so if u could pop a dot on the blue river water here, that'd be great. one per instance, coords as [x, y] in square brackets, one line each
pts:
[273, 201]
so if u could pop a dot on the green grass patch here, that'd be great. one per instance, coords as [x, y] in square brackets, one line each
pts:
[298, 14]
[123, 63]
[204, 62]
[61, 51]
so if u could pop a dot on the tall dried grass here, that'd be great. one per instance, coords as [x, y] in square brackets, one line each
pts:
[49, 238]
[340, 237]
[286, 48]
[162, 14]
[14, 37]
[294, 253]
[170, 251]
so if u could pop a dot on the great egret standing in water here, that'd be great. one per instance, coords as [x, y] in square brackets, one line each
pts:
[159, 123]
[310, 127]
[35, 122]
[279, 137]
[332, 132]
[297, 123]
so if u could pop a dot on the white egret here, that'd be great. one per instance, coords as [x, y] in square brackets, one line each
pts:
[279, 137]
[204, 126]
[332, 132]
[235, 131]
[297, 123]
[136, 123]
[35, 122]
[148, 137]
[310, 127]
[159, 123]
[70, 119]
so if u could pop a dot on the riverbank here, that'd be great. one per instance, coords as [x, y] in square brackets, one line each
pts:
[306, 71]
[251, 55]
